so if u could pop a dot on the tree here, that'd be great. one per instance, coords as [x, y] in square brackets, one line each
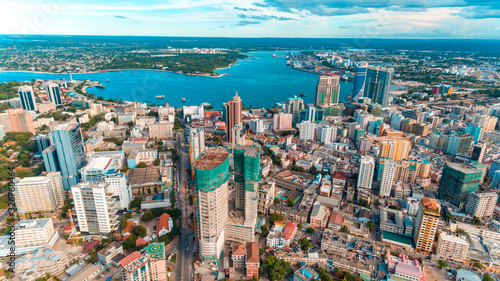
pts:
[275, 217]
[265, 229]
[476, 221]
[136, 202]
[276, 201]
[323, 276]
[297, 168]
[125, 218]
[442, 263]
[478, 265]
[174, 213]
[377, 203]
[141, 165]
[364, 203]
[300, 225]
[310, 230]
[289, 201]
[487, 277]
[371, 225]
[129, 243]
[304, 244]
[460, 231]
[147, 216]
[276, 268]
[344, 229]
[140, 230]
[130, 123]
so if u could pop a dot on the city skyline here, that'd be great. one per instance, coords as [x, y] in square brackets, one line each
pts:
[264, 18]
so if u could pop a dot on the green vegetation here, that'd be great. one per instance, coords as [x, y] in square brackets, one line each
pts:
[310, 230]
[371, 225]
[125, 218]
[487, 277]
[7, 90]
[304, 244]
[275, 217]
[174, 258]
[289, 201]
[189, 63]
[118, 142]
[323, 276]
[136, 202]
[492, 92]
[297, 168]
[442, 263]
[276, 268]
[147, 216]
[140, 230]
[141, 165]
[478, 265]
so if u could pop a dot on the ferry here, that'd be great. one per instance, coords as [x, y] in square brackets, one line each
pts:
[160, 96]
[183, 99]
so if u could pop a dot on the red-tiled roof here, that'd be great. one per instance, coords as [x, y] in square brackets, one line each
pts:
[89, 246]
[430, 204]
[162, 223]
[140, 241]
[289, 229]
[239, 250]
[252, 252]
[340, 175]
[130, 226]
[336, 218]
[130, 258]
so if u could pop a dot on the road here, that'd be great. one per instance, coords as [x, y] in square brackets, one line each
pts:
[185, 244]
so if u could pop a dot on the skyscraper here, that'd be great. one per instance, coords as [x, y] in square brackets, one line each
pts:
[478, 152]
[326, 134]
[426, 225]
[232, 115]
[358, 90]
[95, 208]
[458, 182]
[69, 147]
[53, 92]
[20, 121]
[197, 140]
[327, 90]
[482, 204]
[366, 169]
[27, 97]
[212, 174]
[378, 84]
[395, 149]
[388, 171]
[475, 131]
[44, 193]
[293, 106]
[247, 174]
[459, 143]
[307, 130]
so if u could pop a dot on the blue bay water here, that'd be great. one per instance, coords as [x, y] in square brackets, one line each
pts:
[260, 80]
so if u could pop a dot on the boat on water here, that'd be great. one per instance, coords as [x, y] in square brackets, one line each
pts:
[183, 99]
[287, 62]
[303, 95]
[100, 86]
[107, 80]
[344, 77]
[160, 96]
[274, 55]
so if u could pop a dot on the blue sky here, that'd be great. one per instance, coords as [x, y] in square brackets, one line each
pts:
[256, 18]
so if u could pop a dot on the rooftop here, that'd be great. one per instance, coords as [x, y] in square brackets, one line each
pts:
[100, 163]
[32, 224]
[211, 158]
[463, 168]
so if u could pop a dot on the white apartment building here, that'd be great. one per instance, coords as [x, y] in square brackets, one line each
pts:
[44, 193]
[257, 126]
[387, 177]
[197, 140]
[118, 186]
[166, 113]
[366, 169]
[161, 130]
[307, 130]
[326, 134]
[452, 247]
[482, 204]
[37, 233]
[95, 208]
[196, 112]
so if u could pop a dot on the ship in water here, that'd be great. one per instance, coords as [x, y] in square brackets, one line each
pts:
[107, 80]
[160, 96]
[183, 99]
[100, 86]
[303, 95]
[274, 55]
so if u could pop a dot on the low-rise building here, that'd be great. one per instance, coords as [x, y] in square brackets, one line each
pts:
[452, 247]
[107, 254]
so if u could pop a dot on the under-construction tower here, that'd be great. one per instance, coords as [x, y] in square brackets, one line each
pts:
[212, 174]
[247, 174]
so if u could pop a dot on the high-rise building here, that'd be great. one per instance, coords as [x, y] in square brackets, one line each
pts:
[257, 126]
[294, 106]
[53, 92]
[42, 141]
[326, 134]
[475, 131]
[157, 261]
[358, 90]
[27, 97]
[69, 147]
[395, 149]
[495, 166]
[212, 174]
[135, 267]
[118, 186]
[307, 130]
[95, 208]
[396, 119]
[452, 247]
[232, 115]
[282, 121]
[457, 183]
[35, 234]
[2, 132]
[426, 224]
[247, 174]
[378, 84]
[161, 130]
[39, 194]
[495, 181]
[197, 140]
[459, 143]
[387, 180]
[311, 114]
[327, 90]
[478, 152]
[482, 204]
[19, 121]
[366, 169]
